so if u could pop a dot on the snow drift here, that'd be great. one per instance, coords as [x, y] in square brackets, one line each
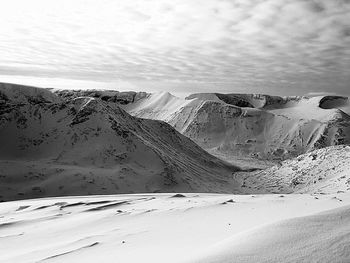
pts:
[165, 228]
[321, 237]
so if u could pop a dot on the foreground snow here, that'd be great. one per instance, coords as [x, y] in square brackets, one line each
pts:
[167, 228]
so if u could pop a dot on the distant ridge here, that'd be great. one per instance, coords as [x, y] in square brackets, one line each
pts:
[249, 125]
[263, 126]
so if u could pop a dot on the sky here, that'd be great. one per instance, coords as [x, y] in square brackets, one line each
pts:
[282, 47]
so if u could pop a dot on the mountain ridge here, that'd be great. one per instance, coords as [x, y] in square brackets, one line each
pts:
[80, 138]
[287, 128]
[245, 125]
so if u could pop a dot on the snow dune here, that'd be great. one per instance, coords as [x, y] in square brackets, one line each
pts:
[180, 228]
[321, 237]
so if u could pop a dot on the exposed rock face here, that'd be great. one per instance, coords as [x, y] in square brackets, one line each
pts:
[105, 95]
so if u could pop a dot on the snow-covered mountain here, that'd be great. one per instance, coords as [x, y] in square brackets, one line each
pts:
[262, 126]
[52, 145]
[88, 139]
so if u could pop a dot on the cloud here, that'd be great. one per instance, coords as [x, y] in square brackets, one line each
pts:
[266, 44]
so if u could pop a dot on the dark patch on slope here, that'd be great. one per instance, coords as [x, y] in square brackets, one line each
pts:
[235, 100]
[333, 102]
[103, 207]
[71, 251]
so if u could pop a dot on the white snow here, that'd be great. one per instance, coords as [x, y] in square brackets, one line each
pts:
[322, 237]
[166, 107]
[162, 228]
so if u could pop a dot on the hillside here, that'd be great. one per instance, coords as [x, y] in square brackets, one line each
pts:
[321, 171]
[47, 141]
[258, 126]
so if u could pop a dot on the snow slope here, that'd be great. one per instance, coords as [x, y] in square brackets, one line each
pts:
[182, 228]
[321, 237]
[47, 140]
[321, 171]
[262, 126]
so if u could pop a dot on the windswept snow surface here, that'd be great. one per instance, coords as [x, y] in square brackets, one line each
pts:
[177, 228]
[47, 141]
[322, 237]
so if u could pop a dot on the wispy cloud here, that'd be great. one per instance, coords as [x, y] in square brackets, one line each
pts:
[300, 44]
